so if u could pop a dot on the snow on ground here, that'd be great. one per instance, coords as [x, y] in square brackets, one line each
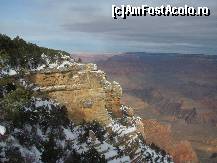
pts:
[125, 159]
[73, 134]
[8, 72]
[59, 62]
[108, 149]
[62, 62]
[2, 130]
[122, 130]
[46, 103]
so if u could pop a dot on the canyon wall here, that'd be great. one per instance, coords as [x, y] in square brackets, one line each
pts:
[83, 89]
[89, 96]
[161, 135]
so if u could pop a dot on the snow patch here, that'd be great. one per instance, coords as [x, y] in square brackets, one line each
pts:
[2, 130]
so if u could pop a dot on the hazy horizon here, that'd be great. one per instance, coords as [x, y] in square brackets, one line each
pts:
[88, 27]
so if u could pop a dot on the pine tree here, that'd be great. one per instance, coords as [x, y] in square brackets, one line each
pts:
[51, 152]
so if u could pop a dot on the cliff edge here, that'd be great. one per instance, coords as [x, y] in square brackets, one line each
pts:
[83, 89]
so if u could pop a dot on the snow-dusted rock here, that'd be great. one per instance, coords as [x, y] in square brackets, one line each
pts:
[2, 130]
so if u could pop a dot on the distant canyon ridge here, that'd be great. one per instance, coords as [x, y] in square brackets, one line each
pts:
[179, 91]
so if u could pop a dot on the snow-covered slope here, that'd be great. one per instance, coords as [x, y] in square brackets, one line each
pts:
[36, 129]
[63, 61]
[46, 123]
[58, 62]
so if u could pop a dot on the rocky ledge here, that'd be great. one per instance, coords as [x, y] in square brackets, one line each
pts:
[83, 89]
[89, 96]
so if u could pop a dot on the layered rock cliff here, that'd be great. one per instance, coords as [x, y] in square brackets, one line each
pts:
[89, 96]
[83, 89]
[53, 109]
[71, 112]
[181, 151]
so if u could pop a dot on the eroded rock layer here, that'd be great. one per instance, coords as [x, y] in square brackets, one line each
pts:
[83, 89]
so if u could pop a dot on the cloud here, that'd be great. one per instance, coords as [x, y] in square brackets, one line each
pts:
[182, 31]
[88, 25]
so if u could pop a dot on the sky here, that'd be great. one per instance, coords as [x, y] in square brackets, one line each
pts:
[87, 26]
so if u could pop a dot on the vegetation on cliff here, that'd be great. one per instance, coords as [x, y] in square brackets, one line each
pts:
[37, 129]
[19, 53]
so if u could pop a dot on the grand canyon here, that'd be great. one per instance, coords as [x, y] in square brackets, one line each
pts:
[175, 92]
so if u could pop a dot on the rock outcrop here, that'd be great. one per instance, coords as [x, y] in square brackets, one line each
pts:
[46, 106]
[89, 96]
[83, 89]
[161, 136]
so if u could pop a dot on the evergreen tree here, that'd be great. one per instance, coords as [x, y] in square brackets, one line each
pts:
[19, 53]
[51, 151]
